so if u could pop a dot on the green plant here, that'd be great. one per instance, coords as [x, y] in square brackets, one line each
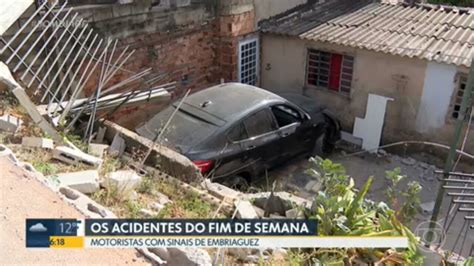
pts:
[405, 202]
[133, 208]
[189, 206]
[76, 140]
[110, 164]
[341, 209]
[469, 262]
[146, 185]
[296, 257]
[45, 168]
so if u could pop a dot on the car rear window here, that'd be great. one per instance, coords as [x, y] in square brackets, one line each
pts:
[184, 131]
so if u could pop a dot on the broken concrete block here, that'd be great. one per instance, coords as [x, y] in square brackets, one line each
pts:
[37, 142]
[96, 209]
[260, 212]
[71, 156]
[161, 252]
[147, 213]
[4, 151]
[100, 134]
[156, 206]
[123, 180]
[294, 213]
[245, 210]
[117, 147]
[85, 181]
[189, 256]
[97, 149]
[69, 193]
[220, 191]
[9, 123]
[276, 216]
[162, 198]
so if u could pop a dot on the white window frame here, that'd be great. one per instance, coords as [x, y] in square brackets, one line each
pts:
[257, 60]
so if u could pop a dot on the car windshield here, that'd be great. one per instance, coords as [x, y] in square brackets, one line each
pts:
[185, 129]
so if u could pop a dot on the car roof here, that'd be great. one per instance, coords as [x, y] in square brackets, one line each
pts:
[230, 101]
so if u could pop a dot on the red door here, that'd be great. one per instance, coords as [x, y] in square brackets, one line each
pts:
[335, 72]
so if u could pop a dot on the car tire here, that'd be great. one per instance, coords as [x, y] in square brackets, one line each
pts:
[238, 182]
[322, 147]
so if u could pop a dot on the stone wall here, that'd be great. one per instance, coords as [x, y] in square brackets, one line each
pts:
[162, 158]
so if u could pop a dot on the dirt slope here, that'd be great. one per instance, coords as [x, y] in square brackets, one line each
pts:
[22, 196]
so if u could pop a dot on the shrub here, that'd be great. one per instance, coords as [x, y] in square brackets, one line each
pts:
[343, 210]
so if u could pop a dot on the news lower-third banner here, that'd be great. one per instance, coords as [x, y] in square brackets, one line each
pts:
[205, 233]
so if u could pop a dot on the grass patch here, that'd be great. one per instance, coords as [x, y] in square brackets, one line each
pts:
[46, 168]
[110, 164]
[185, 204]
[43, 162]
[146, 185]
[190, 206]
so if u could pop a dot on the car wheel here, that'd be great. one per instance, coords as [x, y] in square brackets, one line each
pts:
[237, 182]
[322, 147]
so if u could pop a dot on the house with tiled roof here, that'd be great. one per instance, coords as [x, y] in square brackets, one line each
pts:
[340, 51]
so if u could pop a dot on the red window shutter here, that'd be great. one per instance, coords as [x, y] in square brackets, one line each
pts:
[335, 72]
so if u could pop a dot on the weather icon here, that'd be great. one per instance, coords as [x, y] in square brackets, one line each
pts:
[39, 227]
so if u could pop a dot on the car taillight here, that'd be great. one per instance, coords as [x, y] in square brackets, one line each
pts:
[204, 165]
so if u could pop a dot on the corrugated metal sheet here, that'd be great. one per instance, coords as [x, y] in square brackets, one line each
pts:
[308, 16]
[417, 31]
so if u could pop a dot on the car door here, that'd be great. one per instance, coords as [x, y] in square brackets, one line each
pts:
[262, 147]
[231, 161]
[295, 137]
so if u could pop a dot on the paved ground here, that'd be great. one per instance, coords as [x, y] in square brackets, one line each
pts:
[292, 176]
[22, 196]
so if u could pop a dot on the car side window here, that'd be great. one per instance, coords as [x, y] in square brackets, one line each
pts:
[285, 115]
[237, 133]
[258, 123]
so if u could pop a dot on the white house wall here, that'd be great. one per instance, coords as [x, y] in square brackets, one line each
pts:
[437, 90]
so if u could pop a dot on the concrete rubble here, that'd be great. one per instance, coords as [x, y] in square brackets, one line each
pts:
[220, 191]
[189, 256]
[73, 156]
[10, 123]
[123, 180]
[117, 147]
[37, 142]
[162, 199]
[245, 210]
[98, 150]
[85, 181]
[147, 213]
[295, 213]
[156, 206]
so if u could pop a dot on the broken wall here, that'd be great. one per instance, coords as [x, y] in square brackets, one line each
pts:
[194, 43]
[401, 78]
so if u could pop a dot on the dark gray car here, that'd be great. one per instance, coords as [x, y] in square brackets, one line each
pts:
[233, 132]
